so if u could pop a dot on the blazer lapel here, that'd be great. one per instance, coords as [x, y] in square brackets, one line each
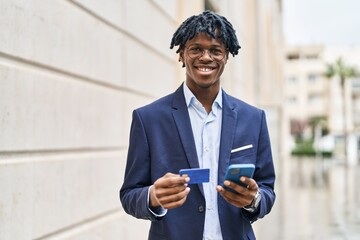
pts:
[182, 120]
[227, 136]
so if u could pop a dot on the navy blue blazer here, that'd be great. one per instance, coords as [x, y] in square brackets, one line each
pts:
[161, 141]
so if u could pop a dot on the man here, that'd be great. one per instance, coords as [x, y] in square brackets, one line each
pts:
[199, 126]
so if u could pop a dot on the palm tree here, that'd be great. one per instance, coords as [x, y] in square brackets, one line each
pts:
[341, 70]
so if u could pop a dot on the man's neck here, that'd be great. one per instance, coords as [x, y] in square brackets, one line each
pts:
[206, 96]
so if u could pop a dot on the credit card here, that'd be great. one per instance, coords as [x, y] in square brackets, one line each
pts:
[196, 175]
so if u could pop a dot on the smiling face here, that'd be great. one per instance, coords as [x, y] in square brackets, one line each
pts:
[203, 72]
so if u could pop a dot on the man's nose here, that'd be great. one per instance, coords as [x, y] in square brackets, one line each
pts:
[206, 54]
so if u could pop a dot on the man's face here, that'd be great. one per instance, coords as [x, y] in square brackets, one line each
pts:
[204, 58]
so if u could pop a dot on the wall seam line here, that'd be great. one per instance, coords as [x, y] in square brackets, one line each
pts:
[45, 69]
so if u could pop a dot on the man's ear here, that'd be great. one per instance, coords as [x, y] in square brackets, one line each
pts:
[226, 56]
[181, 57]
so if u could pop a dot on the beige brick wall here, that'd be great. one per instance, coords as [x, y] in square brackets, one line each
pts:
[71, 72]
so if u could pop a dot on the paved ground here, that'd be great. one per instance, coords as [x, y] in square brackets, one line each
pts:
[316, 199]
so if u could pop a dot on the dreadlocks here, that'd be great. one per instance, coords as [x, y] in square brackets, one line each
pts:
[207, 22]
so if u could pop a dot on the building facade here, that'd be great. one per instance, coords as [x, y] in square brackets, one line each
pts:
[71, 72]
[308, 94]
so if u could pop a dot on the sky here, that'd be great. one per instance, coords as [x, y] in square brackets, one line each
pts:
[331, 22]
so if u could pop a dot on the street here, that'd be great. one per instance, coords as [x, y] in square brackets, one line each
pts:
[316, 199]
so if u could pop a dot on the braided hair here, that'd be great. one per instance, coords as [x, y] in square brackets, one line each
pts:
[207, 22]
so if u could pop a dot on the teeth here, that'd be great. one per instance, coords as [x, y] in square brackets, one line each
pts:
[205, 69]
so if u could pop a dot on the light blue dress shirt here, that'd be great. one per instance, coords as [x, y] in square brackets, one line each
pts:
[207, 131]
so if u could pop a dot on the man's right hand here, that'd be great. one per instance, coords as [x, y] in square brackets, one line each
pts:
[169, 191]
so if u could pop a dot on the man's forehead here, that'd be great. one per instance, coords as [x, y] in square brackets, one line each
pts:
[201, 36]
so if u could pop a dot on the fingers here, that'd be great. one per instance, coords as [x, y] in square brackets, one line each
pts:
[242, 196]
[170, 180]
[250, 183]
[174, 200]
[231, 198]
[170, 191]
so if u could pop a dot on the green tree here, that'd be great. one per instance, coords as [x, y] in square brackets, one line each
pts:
[319, 120]
[343, 72]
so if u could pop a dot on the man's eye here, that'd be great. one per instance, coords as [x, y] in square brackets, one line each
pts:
[216, 52]
[195, 50]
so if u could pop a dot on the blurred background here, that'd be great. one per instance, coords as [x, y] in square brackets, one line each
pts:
[72, 71]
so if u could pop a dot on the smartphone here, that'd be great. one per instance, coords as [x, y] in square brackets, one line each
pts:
[235, 171]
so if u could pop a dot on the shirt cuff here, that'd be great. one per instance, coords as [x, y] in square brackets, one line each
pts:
[159, 211]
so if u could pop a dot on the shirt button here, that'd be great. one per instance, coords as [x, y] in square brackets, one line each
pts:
[201, 209]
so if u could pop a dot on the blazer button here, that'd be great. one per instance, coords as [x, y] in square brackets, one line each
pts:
[201, 209]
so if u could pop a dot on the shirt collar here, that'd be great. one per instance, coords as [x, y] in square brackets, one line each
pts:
[190, 97]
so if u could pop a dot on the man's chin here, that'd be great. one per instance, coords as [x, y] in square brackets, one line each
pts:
[206, 85]
[203, 83]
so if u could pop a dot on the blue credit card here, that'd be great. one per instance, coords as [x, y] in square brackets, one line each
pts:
[196, 175]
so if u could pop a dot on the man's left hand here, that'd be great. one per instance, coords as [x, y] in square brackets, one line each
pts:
[243, 196]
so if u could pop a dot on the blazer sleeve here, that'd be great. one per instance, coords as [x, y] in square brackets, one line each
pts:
[264, 174]
[137, 179]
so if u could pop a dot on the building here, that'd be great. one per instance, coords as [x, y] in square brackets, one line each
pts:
[71, 72]
[308, 94]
